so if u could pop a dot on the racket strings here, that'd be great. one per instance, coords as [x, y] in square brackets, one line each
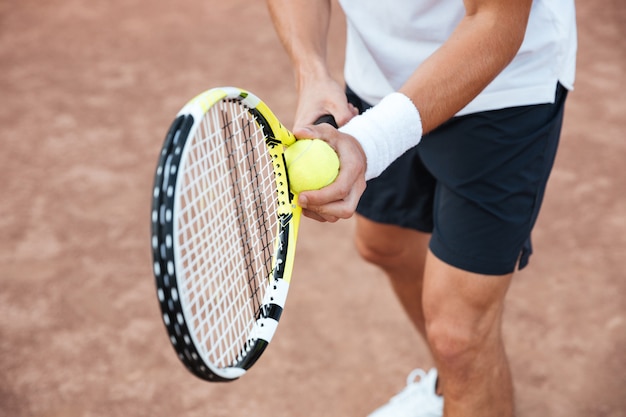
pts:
[229, 190]
[238, 195]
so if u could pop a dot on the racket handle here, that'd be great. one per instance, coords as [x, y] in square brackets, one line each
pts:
[327, 118]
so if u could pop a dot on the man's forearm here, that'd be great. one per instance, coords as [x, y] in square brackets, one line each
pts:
[302, 26]
[482, 45]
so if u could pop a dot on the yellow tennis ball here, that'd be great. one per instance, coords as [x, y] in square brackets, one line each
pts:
[311, 164]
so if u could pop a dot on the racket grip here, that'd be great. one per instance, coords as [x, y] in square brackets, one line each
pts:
[327, 118]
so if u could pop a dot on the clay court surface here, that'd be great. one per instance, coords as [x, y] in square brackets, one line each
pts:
[87, 92]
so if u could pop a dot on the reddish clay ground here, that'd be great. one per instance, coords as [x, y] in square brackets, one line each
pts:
[87, 91]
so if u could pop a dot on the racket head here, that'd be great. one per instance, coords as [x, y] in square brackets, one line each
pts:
[224, 226]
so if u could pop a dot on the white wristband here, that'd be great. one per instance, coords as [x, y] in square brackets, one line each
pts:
[386, 131]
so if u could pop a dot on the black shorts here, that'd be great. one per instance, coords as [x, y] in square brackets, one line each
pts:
[476, 183]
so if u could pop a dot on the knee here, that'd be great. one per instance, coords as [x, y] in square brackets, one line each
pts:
[457, 342]
[387, 246]
[381, 253]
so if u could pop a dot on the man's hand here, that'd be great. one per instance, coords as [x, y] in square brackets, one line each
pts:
[317, 97]
[339, 199]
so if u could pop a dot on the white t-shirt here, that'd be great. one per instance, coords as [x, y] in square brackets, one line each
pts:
[387, 41]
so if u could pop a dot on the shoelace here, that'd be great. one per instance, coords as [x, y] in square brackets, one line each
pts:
[414, 374]
[413, 386]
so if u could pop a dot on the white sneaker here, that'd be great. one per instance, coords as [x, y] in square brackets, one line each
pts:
[417, 399]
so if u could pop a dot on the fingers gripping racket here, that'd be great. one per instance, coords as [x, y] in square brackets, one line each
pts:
[224, 228]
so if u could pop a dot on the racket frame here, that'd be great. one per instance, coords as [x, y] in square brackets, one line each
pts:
[164, 232]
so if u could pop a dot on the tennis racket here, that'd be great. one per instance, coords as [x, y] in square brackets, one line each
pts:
[224, 230]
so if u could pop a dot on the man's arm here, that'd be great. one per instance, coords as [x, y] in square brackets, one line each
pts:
[481, 46]
[302, 26]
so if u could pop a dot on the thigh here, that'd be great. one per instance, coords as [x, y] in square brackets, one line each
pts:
[391, 246]
[462, 309]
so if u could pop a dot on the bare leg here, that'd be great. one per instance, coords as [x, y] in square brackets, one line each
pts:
[401, 253]
[463, 314]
